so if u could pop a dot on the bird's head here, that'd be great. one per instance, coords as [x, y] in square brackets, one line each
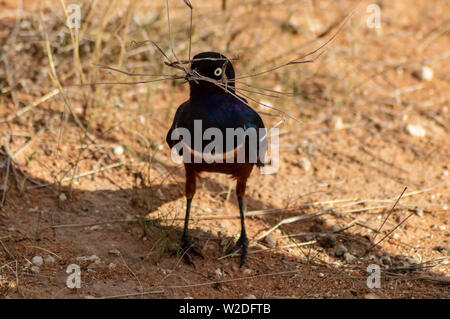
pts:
[211, 72]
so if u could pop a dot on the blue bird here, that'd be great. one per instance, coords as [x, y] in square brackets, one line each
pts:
[213, 101]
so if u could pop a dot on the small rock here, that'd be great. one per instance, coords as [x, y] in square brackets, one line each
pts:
[340, 250]
[349, 257]
[335, 228]
[93, 259]
[442, 227]
[114, 252]
[305, 163]
[118, 150]
[35, 269]
[11, 229]
[395, 236]
[386, 260]
[415, 130]
[321, 275]
[112, 266]
[248, 271]
[271, 241]
[426, 73]
[37, 261]
[49, 260]
[62, 197]
[95, 227]
[337, 123]
[250, 297]
[218, 272]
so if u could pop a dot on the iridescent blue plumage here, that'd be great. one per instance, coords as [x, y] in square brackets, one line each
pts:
[214, 102]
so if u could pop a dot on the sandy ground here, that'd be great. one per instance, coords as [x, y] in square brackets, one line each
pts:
[114, 204]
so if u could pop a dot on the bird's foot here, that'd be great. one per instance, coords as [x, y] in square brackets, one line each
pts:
[241, 243]
[187, 249]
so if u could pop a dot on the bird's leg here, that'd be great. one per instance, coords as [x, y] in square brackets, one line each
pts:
[243, 240]
[186, 244]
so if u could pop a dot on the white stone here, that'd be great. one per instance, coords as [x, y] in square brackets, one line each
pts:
[337, 123]
[37, 261]
[218, 272]
[305, 163]
[349, 257]
[426, 73]
[416, 130]
[49, 260]
[118, 150]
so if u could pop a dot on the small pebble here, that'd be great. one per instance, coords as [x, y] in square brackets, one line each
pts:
[321, 275]
[218, 272]
[62, 197]
[118, 150]
[271, 241]
[11, 229]
[337, 123]
[371, 296]
[426, 73]
[112, 266]
[335, 228]
[248, 271]
[35, 269]
[340, 250]
[250, 297]
[305, 163]
[114, 252]
[49, 260]
[37, 261]
[415, 130]
[349, 257]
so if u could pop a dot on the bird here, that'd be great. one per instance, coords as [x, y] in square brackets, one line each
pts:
[213, 101]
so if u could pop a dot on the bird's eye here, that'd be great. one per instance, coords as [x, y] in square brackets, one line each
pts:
[218, 72]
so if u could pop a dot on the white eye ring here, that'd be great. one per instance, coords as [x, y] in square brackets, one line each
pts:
[218, 72]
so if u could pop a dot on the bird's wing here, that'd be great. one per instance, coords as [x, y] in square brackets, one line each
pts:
[178, 114]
